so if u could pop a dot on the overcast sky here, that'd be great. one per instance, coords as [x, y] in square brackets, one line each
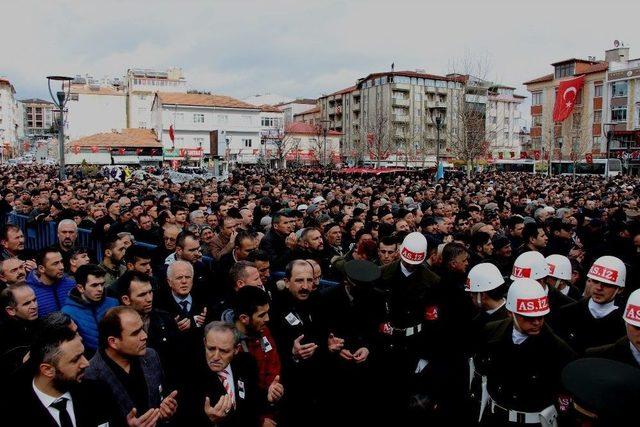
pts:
[302, 48]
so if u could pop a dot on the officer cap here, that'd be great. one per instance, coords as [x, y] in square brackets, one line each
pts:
[608, 388]
[361, 272]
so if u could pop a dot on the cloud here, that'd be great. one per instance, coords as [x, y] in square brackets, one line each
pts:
[297, 48]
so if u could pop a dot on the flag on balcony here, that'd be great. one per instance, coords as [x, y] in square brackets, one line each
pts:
[121, 151]
[500, 155]
[523, 154]
[172, 134]
[536, 154]
[512, 154]
[138, 151]
[566, 98]
[94, 149]
[589, 158]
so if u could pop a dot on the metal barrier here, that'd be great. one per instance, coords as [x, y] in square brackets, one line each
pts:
[41, 235]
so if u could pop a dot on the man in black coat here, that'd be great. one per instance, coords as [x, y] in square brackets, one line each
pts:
[55, 395]
[225, 391]
[279, 240]
[18, 321]
[626, 349]
[597, 320]
[161, 328]
[301, 343]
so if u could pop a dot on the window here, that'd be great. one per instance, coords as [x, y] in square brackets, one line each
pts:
[577, 118]
[506, 120]
[492, 135]
[597, 116]
[494, 120]
[597, 91]
[535, 142]
[198, 118]
[536, 98]
[247, 142]
[564, 70]
[179, 117]
[142, 125]
[223, 119]
[618, 89]
[506, 136]
[199, 141]
[619, 114]
[536, 120]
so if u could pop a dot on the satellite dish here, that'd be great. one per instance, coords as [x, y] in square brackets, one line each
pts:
[616, 43]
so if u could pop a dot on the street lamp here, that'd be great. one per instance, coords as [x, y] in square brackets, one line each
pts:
[60, 101]
[325, 125]
[609, 134]
[438, 116]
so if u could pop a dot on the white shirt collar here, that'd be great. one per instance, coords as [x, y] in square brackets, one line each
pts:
[565, 290]
[405, 271]
[601, 310]
[635, 352]
[518, 337]
[493, 310]
[47, 401]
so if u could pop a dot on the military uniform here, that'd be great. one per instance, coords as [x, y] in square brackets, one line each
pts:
[421, 334]
[620, 351]
[577, 326]
[520, 377]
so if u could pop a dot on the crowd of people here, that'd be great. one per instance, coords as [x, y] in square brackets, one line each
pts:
[309, 297]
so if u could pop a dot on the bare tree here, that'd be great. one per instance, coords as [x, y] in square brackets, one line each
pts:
[378, 136]
[469, 132]
[286, 144]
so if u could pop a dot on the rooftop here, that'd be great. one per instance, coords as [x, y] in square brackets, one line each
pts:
[269, 109]
[311, 111]
[88, 89]
[202, 100]
[35, 101]
[138, 138]
[300, 128]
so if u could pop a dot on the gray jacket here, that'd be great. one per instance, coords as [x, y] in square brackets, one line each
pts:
[99, 370]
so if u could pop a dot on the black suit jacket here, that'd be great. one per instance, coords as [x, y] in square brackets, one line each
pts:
[92, 405]
[619, 351]
[250, 401]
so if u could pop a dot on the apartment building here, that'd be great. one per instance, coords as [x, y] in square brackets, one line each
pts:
[504, 121]
[142, 85]
[297, 106]
[582, 132]
[95, 106]
[401, 100]
[38, 117]
[622, 106]
[195, 117]
[311, 116]
[10, 118]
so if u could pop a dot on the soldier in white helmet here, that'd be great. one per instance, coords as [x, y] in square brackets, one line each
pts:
[596, 320]
[560, 276]
[533, 265]
[627, 348]
[522, 360]
[485, 285]
[422, 339]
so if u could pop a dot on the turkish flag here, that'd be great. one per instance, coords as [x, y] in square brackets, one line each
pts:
[501, 155]
[121, 151]
[94, 149]
[172, 134]
[523, 154]
[589, 158]
[512, 154]
[139, 151]
[536, 154]
[566, 98]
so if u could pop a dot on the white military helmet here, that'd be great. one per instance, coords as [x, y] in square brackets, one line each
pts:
[526, 297]
[483, 277]
[559, 267]
[608, 269]
[530, 265]
[414, 248]
[632, 310]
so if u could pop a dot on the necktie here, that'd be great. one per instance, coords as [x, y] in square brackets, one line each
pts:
[224, 377]
[185, 308]
[65, 418]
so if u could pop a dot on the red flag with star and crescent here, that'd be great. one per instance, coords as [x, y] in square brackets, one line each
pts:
[566, 98]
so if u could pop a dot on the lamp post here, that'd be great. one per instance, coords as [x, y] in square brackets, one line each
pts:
[60, 101]
[325, 125]
[438, 116]
[609, 134]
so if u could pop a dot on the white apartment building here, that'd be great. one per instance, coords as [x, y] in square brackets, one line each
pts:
[504, 121]
[142, 85]
[271, 130]
[195, 117]
[10, 118]
[95, 107]
[297, 106]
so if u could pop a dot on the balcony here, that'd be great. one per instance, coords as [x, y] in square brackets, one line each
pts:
[400, 102]
[401, 118]
[355, 107]
[435, 104]
[401, 87]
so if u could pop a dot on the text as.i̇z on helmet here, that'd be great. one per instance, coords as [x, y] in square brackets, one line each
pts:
[604, 273]
[412, 256]
[532, 305]
[632, 313]
[521, 272]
